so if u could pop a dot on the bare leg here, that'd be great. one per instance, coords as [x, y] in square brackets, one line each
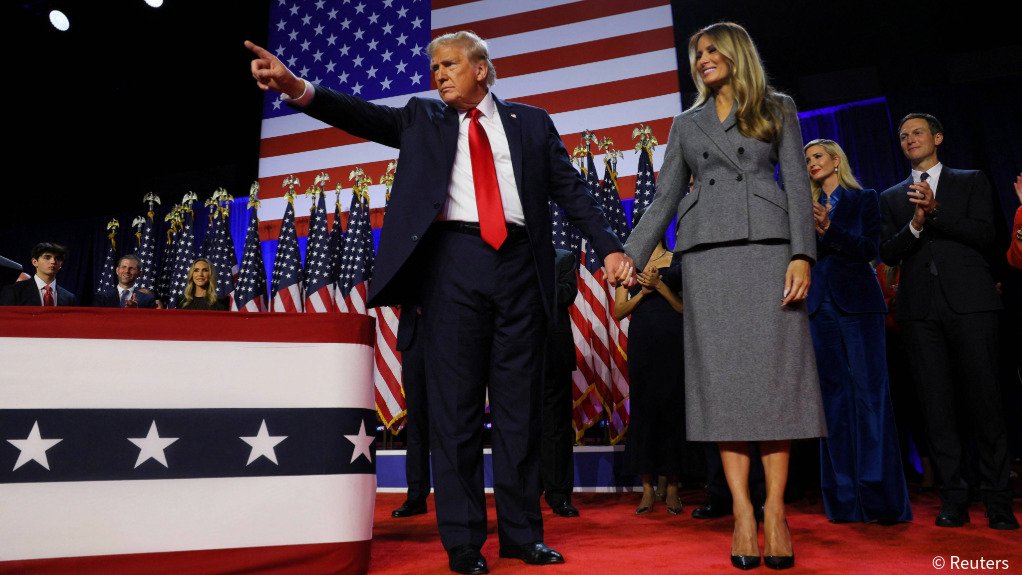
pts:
[735, 457]
[646, 504]
[776, 538]
[672, 498]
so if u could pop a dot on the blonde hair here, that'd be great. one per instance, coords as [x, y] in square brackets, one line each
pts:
[189, 294]
[474, 46]
[844, 171]
[759, 113]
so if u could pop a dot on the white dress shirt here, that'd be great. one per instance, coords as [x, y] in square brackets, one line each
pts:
[461, 192]
[42, 285]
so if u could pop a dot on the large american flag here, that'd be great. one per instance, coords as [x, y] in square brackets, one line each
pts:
[603, 65]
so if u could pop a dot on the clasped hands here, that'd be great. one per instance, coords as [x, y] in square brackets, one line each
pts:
[649, 278]
[620, 269]
[821, 218]
[922, 196]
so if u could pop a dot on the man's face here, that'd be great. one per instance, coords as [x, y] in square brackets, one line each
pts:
[47, 264]
[127, 272]
[460, 82]
[918, 142]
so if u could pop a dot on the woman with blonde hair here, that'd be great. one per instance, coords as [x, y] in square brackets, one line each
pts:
[200, 292]
[746, 246]
[861, 476]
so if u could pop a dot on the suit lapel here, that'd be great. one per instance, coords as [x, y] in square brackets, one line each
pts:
[447, 122]
[716, 130]
[513, 131]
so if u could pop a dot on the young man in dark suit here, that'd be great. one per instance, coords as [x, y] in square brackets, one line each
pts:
[129, 267]
[937, 225]
[468, 237]
[41, 289]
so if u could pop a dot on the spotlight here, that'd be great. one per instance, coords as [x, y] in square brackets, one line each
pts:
[59, 20]
[154, 3]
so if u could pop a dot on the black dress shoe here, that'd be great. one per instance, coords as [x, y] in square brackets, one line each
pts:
[952, 515]
[532, 553]
[410, 508]
[564, 509]
[779, 561]
[1001, 517]
[466, 559]
[712, 510]
[745, 562]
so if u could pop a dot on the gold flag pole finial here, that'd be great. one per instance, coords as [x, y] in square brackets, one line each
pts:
[112, 227]
[646, 140]
[387, 179]
[151, 198]
[610, 154]
[291, 182]
[253, 195]
[362, 183]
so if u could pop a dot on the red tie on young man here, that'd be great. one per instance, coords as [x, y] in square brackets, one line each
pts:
[48, 296]
[484, 174]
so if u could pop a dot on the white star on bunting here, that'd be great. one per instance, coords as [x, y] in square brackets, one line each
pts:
[151, 446]
[33, 448]
[262, 444]
[362, 442]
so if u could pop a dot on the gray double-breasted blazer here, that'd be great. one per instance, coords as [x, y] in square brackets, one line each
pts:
[734, 196]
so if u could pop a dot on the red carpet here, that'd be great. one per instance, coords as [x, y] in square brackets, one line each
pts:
[608, 539]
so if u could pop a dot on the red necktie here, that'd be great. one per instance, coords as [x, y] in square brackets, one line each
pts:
[48, 296]
[484, 174]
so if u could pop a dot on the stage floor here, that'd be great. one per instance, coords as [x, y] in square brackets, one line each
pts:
[609, 539]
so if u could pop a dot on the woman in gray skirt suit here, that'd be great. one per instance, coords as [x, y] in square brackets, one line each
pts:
[746, 245]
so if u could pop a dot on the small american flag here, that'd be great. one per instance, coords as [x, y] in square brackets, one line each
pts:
[184, 253]
[147, 251]
[250, 295]
[319, 290]
[357, 257]
[617, 403]
[286, 296]
[107, 281]
[645, 182]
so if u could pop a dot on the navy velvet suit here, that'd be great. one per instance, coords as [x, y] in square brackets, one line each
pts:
[484, 312]
[27, 293]
[947, 307]
[861, 474]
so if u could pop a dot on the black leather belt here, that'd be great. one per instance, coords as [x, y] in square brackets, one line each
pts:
[514, 231]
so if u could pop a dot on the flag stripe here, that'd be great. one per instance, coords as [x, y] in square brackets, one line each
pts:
[541, 20]
[274, 374]
[445, 13]
[113, 517]
[149, 324]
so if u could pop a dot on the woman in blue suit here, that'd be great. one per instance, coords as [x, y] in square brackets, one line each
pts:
[862, 478]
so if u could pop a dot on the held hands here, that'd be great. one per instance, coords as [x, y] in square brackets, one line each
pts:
[620, 269]
[821, 218]
[649, 279]
[271, 74]
[921, 195]
[796, 282]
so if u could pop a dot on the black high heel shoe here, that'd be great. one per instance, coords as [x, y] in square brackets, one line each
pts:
[781, 561]
[745, 562]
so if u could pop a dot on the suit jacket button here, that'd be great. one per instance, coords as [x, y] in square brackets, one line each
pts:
[706, 155]
[415, 238]
[739, 178]
[712, 181]
[741, 150]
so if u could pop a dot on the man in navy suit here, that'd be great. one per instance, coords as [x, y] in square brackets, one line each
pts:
[468, 237]
[129, 267]
[413, 382]
[41, 289]
[937, 224]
